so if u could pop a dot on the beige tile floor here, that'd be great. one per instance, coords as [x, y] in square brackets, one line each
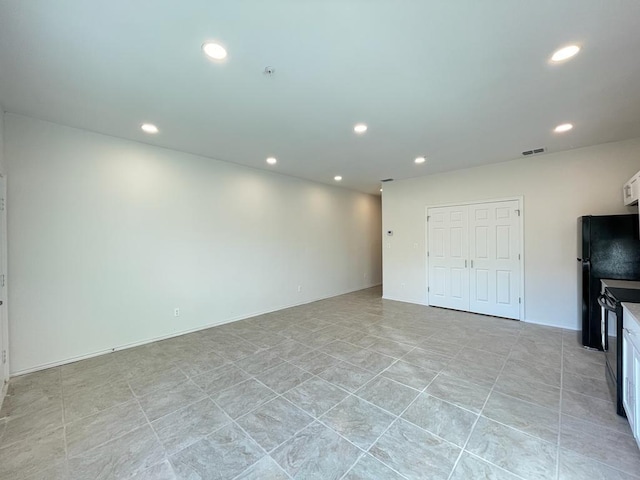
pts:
[352, 387]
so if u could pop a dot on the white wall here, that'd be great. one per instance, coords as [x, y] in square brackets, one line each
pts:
[3, 168]
[108, 236]
[4, 370]
[557, 189]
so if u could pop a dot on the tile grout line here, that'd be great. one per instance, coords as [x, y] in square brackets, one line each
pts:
[179, 409]
[626, 473]
[254, 464]
[317, 419]
[475, 423]
[560, 409]
[398, 417]
[65, 425]
[64, 421]
[268, 452]
[419, 392]
[517, 430]
[230, 421]
[155, 434]
[599, 425]
[590, 396]
[362, 452]
[528, 402]
[444, 400]
[502, 469]
[134, 398]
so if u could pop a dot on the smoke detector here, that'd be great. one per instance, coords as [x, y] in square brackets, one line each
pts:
[268, 71]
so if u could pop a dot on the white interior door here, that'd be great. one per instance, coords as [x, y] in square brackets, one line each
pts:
[448, 257]
[494, 239]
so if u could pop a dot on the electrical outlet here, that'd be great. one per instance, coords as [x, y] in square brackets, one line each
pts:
[176, 312]
[299, 288]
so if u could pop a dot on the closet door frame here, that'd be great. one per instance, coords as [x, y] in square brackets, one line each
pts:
[520, 200]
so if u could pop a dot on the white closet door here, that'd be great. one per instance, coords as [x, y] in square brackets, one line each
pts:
[494, 239]
[448, 257]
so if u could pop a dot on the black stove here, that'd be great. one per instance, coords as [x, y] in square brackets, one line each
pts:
[610, 302]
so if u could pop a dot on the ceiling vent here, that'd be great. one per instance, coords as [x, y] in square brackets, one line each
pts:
[387, 180]
[535, 151]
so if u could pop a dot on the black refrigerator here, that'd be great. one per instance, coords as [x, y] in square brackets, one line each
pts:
[608, 247]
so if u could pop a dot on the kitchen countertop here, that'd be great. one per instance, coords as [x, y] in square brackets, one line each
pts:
[633, 309]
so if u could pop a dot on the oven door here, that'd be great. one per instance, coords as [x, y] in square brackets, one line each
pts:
[611, 333]
[608, 322]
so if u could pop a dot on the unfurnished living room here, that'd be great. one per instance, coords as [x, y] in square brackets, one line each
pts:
[332, 240]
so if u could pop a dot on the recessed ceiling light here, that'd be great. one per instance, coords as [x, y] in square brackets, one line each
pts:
[149, 128]
[380, 189]
[215, 51]
[272, 160]
[565, 53]
[360, 128]
[337, 178]
[565, 127]
[420, 160]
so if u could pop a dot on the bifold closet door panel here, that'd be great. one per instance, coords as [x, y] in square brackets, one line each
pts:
[494, 248]
[448, 234]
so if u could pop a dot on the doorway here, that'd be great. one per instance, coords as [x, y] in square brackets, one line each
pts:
[474, 256]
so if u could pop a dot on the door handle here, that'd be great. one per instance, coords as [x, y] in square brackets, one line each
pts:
[606, 304]
[465, 264]
[471, 263]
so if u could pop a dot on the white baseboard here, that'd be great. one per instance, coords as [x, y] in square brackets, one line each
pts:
[547, 324]
[533, 322]
[404, 300]
[177, 334]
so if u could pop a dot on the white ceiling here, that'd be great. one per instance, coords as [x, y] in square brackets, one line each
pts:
[464, 82]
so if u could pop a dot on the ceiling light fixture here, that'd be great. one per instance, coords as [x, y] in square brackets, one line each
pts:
[149, 128]
[419, 160]
[565, 53]
[272, 160]
[565, 127]
[337, 178]
[360, 128]
[214, 50]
